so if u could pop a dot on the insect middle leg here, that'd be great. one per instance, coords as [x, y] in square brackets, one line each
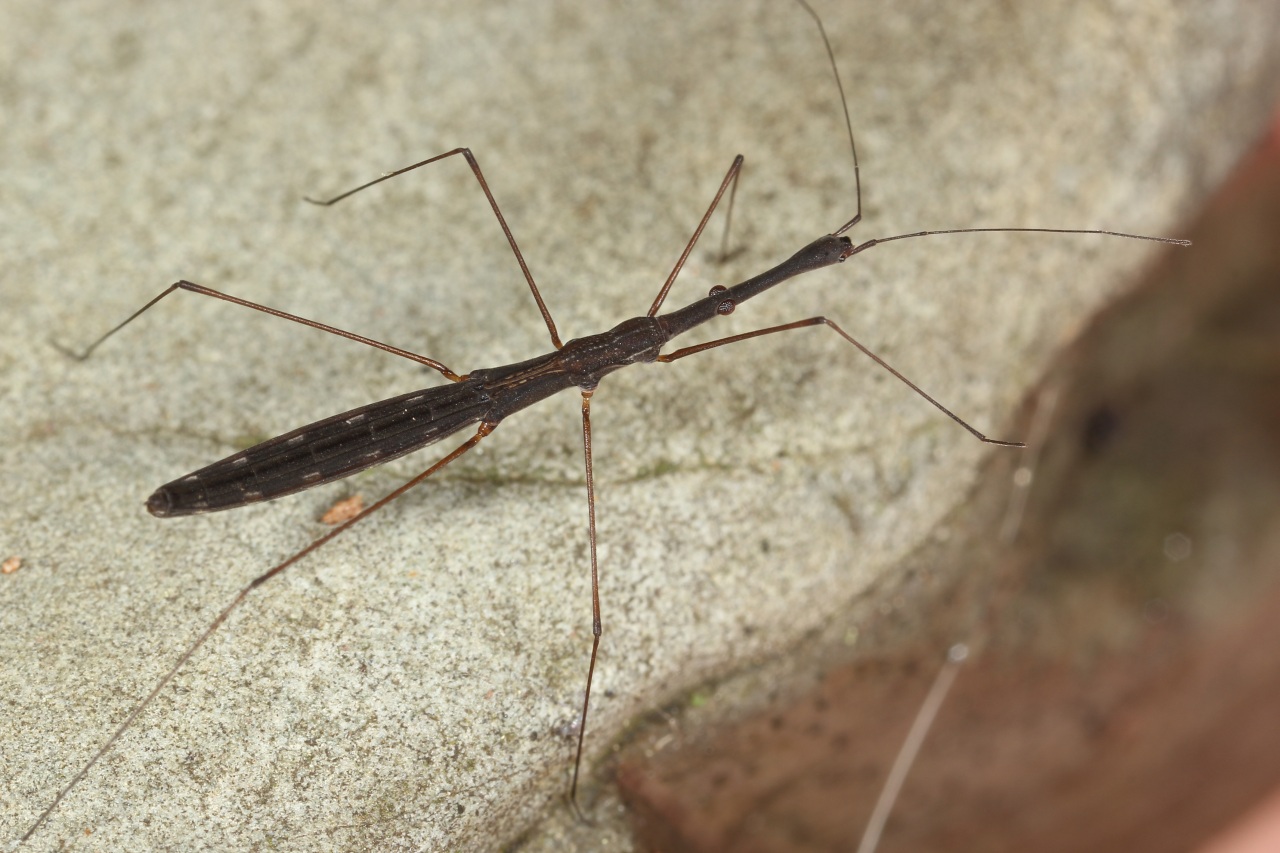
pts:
[823, 321]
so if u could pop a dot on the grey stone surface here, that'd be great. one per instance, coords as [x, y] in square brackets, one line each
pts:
[411, 686]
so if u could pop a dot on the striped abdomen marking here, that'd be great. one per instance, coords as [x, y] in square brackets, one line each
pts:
[326, 450]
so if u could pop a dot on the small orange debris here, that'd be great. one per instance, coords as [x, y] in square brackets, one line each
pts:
[344, 510]
[10, 565]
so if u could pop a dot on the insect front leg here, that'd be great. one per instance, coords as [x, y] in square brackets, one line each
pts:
[823, 321]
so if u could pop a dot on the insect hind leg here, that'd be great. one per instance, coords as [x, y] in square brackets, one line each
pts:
[201, 290]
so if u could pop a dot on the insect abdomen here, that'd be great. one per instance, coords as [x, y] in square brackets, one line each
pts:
[326, 450]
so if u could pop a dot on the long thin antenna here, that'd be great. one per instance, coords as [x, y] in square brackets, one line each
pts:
[857, 177]
[848, 122]
[868, 244]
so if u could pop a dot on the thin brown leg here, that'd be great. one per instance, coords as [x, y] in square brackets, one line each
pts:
[274, 312]
[484, 430]
[484, 185]
[730, 176]
[728, 219]
[596, 626]
[823, 321]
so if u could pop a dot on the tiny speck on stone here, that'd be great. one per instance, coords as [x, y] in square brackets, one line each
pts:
[344, 510]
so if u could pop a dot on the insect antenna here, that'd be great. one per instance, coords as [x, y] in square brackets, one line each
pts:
[857, 179]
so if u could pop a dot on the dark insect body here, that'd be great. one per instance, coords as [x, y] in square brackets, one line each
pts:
[346, 443]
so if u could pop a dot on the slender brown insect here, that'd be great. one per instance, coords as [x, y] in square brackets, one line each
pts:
[479, 401]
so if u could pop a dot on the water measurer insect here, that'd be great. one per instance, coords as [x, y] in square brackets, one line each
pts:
[475, 403]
